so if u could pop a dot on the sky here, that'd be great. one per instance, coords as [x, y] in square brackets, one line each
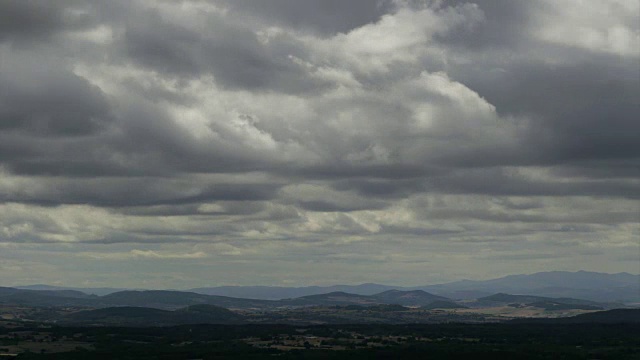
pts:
[176, 144]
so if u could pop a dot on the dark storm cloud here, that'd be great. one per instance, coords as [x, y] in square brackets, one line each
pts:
[326, 17]
[510, 217]
[45, 99]
[578, 113]
[346, 170]
[26, 20]
[417, 231]
[602, 169]
[229, 52]
[580, 110]
[297, 129]
[125, 192]
[498, 181]
[328, 206]
[48, 113]
[224, 208]
[154, 143]
[161, 45]
[506, 25]
[382, 188]
[130, 238]
[581, 106]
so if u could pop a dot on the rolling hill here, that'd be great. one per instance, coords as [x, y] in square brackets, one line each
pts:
[443, 304]
[391, 297]
[615, 316]
[141, 316]
[45, 297]
[502, 298]
[166, 299]
[542, 302]
[279, 292]
[330, 299]
[172, 300]
[600, 287]
[408, 298]
[549, 290]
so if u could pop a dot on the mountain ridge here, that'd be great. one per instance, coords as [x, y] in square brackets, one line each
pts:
[602, 287]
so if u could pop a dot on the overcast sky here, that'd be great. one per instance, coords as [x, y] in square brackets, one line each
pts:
[174, 144]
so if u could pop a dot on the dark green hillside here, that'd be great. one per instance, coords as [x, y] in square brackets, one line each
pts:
[407, 298]
[118, 312]
[64, 293]
[609, 316]
[387, 308]
[177, 299]
[333, 298]
[615, 316]
[508, 298]
[501, 297]
[335, 294]
[150, 297]
[569, 303]
[140, 316]
[210, 312]
[553, 305]
[44, 297]
[7, 291]
[404, 298]
[443, 305]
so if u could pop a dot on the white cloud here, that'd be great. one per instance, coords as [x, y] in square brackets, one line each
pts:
[600, 26]
[421, 142]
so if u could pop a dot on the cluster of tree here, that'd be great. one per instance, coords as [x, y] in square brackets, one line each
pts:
[446, 341]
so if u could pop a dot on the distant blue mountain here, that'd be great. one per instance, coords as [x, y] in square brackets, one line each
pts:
[621, 287]
[278, 292]
[600, 287]
[92, 291]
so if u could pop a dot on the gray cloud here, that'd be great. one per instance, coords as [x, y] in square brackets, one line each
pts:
[325, 17]
[580, 112]
[405, 133]
[124, 192]
[505, 26]
[30, 20]
[228, 51]
[49, 101]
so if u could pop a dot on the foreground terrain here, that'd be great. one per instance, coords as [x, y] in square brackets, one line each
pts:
[444, 341]
[612, 334]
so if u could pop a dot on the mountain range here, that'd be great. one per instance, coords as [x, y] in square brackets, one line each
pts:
[172, 300]
[600, 287]
[171, 307]
[620, 287]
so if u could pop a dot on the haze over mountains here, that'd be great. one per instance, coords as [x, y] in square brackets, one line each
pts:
[599, 287]
[582, 284]
[168, 308]
[172, 300]
[510, 297]
[594, 286]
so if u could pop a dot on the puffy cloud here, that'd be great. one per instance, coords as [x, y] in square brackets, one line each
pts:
[441, 135]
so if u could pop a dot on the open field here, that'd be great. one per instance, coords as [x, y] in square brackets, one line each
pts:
[516, 312]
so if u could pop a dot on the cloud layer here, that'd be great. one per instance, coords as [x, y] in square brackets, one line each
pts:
[186, 143]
